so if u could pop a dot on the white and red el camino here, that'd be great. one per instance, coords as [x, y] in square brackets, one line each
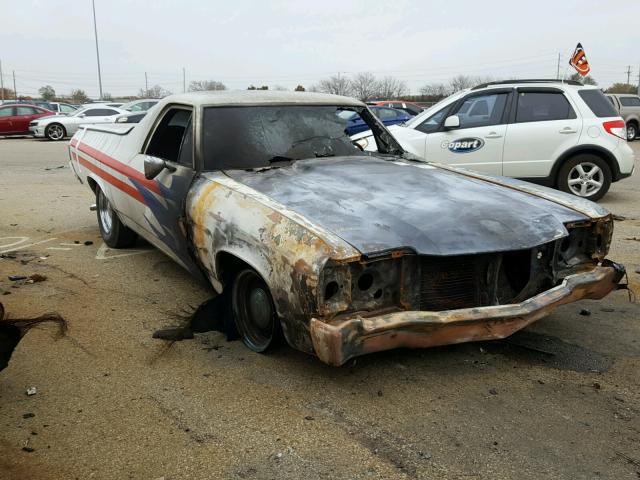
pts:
[343, 251]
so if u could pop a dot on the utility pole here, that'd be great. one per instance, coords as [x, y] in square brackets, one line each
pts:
[146, 85]
[558, 70]
[1, 81]
[184, 80]
[95, 31]
[628, 74]
[15, 91]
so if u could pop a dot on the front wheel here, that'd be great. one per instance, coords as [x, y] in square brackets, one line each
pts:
[114, 233]
[632, 132]
[586, 176]
[55, 132]
[254, 312]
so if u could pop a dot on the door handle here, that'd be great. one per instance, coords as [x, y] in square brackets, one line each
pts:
[568, 130]
[493, 135]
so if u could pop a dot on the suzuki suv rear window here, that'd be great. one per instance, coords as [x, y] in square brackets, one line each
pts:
[598, 103]
[543, 106]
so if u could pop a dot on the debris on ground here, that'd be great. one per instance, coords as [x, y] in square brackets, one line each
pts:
[619, 218]
[15, 278]
[634, 239]
[12, 331]
[28, 415]
[55, 168]
[88, 242]
[585, 312]
[31, 391]
[212, 315]
[493, 391]
[36, 277]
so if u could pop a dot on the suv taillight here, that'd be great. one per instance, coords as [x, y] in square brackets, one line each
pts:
[616, 128]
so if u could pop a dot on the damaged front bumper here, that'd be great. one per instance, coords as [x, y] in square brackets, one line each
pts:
[338, 340]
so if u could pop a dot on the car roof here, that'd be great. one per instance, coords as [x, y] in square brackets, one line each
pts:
[258, 97]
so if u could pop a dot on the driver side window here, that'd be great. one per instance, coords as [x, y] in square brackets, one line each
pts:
[481, 110]
[432, 123]
[173, 132]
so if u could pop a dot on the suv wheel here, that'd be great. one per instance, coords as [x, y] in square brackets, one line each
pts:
[632, 132]
[586, 176]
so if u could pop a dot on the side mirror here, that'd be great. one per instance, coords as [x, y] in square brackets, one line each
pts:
[452, 121]
[154, 165]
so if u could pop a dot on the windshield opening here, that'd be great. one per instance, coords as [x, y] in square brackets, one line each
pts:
[261, 136]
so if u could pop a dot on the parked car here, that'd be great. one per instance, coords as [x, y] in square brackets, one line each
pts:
[411, 108]
[130, 117]
[140, 105]
[560, 134]
[57, 127]
[346, 252]
[15, 118]
[628, 106]
[57, 107]
[388, 116]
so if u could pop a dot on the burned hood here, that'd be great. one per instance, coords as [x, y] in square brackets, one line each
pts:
[377, 204]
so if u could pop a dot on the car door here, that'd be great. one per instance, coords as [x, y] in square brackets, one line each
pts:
[162, 213]
[23, 116]
[543, 126]
[477, 143]
[6, 120]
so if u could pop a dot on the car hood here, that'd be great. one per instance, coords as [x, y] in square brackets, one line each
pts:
[377, 204]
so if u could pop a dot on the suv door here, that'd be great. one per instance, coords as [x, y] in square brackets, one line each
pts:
[478, 142]
[543, 125]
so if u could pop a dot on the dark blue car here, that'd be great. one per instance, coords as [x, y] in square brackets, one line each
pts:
[388, 116]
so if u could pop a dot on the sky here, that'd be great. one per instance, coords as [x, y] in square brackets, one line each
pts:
[287, 43]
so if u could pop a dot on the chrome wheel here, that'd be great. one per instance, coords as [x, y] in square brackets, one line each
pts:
[55, 132]
[254, 312]
[106, 213]
[632, 132]
[585, 179]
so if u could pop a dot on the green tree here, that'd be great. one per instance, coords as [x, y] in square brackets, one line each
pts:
[78, 96]
[47, 92]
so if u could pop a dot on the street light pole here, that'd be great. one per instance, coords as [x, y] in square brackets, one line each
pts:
[95, 31]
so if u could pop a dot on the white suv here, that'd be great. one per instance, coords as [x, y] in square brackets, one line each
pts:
[560, 134]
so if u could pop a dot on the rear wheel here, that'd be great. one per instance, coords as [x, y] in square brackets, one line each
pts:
[114, 233]
[55, 132]
[632, 132]
[254, 312]
[586, 176]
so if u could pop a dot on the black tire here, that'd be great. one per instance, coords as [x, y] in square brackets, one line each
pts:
[55, 132]
[254, 312]
[570, 174]
[632, 131]
[114, 233]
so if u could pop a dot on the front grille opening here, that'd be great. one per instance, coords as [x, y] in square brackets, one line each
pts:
[467, 281]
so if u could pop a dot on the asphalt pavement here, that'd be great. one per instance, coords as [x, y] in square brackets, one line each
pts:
[560, 400]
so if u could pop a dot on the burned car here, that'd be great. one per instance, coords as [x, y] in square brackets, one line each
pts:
[343, 251]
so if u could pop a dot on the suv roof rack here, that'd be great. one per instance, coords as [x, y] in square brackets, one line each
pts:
[528, 80]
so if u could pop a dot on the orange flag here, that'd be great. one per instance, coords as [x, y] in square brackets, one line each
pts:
[579, 61]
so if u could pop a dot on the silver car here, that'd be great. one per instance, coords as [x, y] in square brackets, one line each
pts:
[57, 127]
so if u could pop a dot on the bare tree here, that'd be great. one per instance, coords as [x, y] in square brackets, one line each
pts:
[253, 87]
[47, 92]
[588, 80]
[299, 88]
[206, 85]
[364, 86]
[154, 92]
[622, 88]
[78, 96]
[390, 88]
[337, 85]
[107, 96]
[434, 90]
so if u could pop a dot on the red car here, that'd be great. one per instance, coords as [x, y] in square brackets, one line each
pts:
[410, 108]
[15, 118]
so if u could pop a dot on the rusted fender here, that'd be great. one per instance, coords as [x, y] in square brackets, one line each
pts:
[286, 249]
[342, 339]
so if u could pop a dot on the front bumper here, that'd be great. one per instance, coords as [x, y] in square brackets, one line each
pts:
[37, 131]
[337, 341]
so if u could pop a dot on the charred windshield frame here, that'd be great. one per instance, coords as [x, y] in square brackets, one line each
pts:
[385, 142]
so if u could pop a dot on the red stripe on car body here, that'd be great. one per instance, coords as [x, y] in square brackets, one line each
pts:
[116, 182]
